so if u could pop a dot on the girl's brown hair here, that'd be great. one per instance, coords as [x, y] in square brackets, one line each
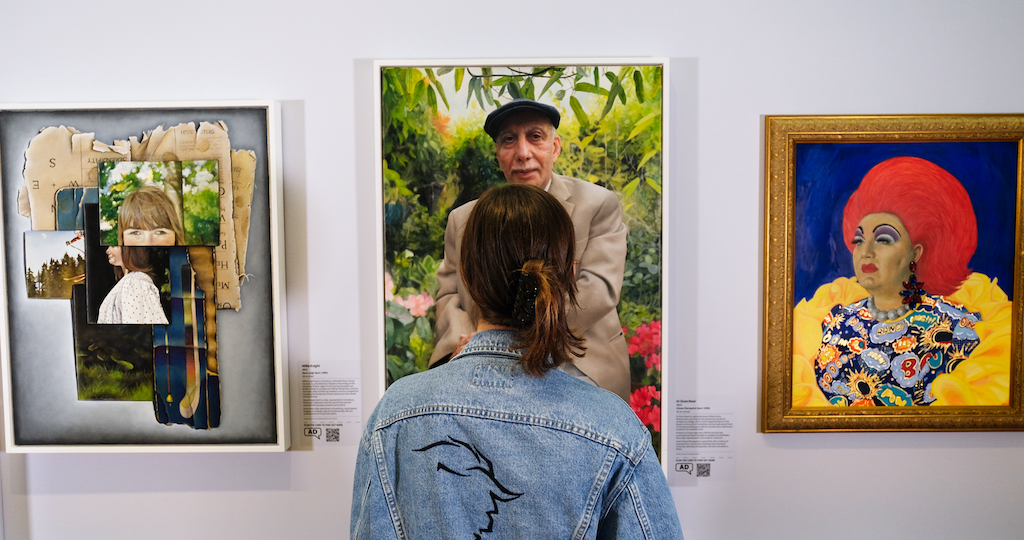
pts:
[517, 257]
[149, 208]
[137, 259]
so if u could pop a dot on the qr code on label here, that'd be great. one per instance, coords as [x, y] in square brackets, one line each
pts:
[703, 470]
[333, 434]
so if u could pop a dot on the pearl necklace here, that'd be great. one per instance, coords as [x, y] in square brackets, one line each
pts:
[882, 315]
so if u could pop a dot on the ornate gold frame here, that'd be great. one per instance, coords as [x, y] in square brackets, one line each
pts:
[782, 134]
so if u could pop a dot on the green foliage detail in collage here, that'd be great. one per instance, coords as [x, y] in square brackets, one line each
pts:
[200, 186]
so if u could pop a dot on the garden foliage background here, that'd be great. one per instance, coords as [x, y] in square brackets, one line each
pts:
[437, 157]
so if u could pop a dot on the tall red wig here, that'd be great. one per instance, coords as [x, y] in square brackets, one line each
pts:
[935, 209]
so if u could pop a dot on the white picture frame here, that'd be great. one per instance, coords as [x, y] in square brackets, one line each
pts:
[42, 412]
[475, 106]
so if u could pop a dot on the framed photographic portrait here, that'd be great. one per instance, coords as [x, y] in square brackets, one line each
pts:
[143, 278]
[892, 277]
[436, 157]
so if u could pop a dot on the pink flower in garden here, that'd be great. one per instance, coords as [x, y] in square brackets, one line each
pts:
[389, 287]
[653, 362]
[647, 339]
[417, 304]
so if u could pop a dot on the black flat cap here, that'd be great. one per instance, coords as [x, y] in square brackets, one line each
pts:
[497, 117]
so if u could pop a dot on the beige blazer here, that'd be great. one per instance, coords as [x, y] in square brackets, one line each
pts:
[601, 251]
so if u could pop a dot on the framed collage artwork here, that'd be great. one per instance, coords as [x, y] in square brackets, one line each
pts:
[143, 278]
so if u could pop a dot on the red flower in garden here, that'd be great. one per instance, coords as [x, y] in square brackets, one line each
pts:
[651, 416]
[642, 396]
[647, 339]
[653, 362]
[641, 401]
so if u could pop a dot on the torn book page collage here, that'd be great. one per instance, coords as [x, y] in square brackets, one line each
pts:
[147, 238]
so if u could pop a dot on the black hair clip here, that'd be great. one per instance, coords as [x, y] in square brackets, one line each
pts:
[524, 309]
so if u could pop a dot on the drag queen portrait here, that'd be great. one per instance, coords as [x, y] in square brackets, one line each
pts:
[915, 326]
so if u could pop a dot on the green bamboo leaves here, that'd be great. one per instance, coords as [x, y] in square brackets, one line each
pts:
[487, 85]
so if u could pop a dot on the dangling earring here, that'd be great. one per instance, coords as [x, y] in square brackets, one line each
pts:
[914, 288]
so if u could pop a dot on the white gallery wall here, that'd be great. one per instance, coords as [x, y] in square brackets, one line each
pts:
[730, 63]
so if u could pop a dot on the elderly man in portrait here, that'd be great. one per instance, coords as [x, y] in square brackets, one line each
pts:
[527, 146]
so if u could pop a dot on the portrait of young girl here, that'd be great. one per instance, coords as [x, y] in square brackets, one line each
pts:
[135, 297]
[159, 203]
[148, 217]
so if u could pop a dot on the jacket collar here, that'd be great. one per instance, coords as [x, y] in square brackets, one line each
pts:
[561, 192]
[492, 342]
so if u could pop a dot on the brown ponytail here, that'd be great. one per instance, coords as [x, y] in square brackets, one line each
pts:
[547, 338]
[517, 263]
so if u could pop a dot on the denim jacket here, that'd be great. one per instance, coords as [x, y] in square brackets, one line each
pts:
[477, 449]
